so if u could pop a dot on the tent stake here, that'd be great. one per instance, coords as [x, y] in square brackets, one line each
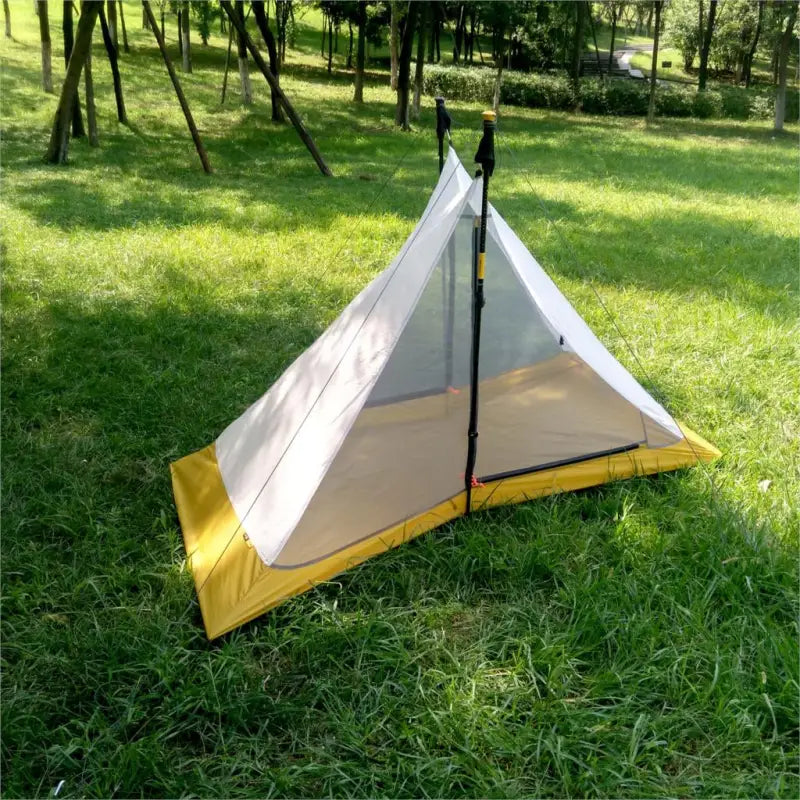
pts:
[484, 157]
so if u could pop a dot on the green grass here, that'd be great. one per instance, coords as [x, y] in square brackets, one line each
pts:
[762, 72]
[638, 639]
[623, 37]
[644, 62]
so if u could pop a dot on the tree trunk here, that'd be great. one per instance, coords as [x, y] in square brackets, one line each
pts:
[145, 22]
[434, 20]
[124, 29]
[651, 106]
[358, 91]
[404, 67]
[577, 44]
[393, 43]
[783, 68]
[457, 34]
[274, 62]
[350, 45]
[244, 67]
[748, 61]
[613, 36]
[649, 20]
[227, 66]
[186, 43]
[201, 151]
[424, 18]
[91, 114]
[498, 81]
[179, 14]
[47, 48]
[705, 46]
[59, 136]
[594, 39]
[324, 33]
[111, 16]
[77, 118]
[163, 14]
[112, 57]
[7, 15]
[330, 43]
[271, 80]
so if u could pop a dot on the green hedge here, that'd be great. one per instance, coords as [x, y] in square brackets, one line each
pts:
[619, 96]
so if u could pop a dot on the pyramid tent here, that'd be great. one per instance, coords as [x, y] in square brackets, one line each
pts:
[361, 444]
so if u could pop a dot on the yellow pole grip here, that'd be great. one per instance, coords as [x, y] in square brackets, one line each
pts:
[481, 265]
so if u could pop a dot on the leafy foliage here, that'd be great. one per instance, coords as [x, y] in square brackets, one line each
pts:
[618, 97]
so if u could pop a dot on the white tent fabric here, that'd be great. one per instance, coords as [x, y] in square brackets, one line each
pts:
[316, 463]
[264, 455]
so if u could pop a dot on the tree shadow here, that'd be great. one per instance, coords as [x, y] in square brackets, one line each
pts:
[675, 253]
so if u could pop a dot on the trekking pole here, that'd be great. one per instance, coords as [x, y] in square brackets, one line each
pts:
[442, 127]
[484, 157]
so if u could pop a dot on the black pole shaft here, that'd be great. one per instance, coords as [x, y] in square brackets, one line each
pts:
[442, 127]
[485, 157]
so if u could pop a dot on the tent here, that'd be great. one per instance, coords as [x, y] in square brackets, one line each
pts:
[362, 443]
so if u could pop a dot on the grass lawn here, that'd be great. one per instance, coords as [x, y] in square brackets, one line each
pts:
[623, 37]
[762, 73]
[638, 639]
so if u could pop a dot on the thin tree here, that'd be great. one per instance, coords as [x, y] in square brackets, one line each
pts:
[227, 65]
[594, 39]
[173, 76]
[122, 115]
[186, 44]
[7, 15]
[111, 16]
[238, 23]
[59, 136]
[358, 92]
[651, 106]
[91, 114]
[47, 48]
[705, 46]
[577, 43]
[244, 67]
[274, 62]
[330, 42]
[424, 22]
[404, 67]
[393, 26]
[748, 59]
[614, 11]
[458, 34]
[125, 46]
[69, 42]
[783, 67]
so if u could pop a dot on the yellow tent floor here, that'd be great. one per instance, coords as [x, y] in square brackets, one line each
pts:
[234, 585]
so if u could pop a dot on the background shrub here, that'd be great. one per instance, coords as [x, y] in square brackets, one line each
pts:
[619, 96]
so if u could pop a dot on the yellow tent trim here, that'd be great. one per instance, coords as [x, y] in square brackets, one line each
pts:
[234, 585]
